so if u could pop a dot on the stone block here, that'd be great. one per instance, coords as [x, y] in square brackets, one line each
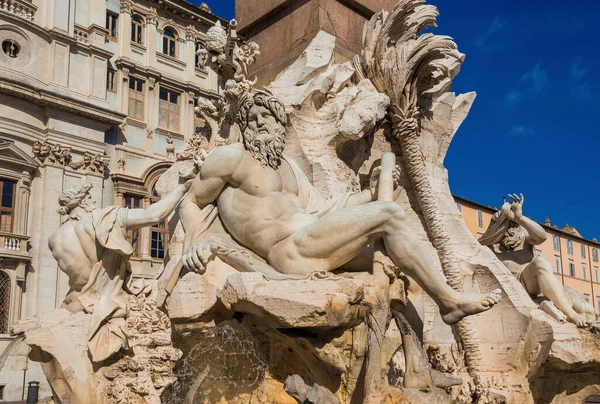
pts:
[295, 303]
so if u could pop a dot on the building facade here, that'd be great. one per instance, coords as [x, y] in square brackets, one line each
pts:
[574, 259]
[98, 91]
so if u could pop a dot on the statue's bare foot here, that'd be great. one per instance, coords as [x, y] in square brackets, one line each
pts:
[468, 304]
[579, 320]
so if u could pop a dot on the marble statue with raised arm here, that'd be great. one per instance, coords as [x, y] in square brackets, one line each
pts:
[513, 238]
[92, 249]
[267, 206]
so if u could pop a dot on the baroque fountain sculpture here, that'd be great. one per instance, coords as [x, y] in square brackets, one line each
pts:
[316, 255]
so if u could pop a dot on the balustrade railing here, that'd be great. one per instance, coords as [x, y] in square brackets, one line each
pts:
[13, 242]
[21, 8]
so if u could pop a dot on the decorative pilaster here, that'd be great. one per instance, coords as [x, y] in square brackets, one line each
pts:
[126, 8]
[151, 22]
[190, 51]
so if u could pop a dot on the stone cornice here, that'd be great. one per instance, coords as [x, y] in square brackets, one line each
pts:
[47, 98]
[190, 11]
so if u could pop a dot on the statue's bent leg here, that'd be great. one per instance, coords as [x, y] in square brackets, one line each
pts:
[339, 236]
[538, 278]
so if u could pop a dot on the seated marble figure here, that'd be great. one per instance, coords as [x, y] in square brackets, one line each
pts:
[513, 238]
[253, 207]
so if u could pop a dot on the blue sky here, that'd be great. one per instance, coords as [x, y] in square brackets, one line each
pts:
[533, 127]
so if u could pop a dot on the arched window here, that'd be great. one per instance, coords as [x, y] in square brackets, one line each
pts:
[137, 29]
[170, 42]
[4, 301]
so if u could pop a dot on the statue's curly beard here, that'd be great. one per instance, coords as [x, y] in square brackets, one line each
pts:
[266, 145]
[513, 238]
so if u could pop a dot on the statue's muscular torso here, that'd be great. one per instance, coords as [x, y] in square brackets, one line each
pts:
[76, 250]
[517, 259]
[258, 205]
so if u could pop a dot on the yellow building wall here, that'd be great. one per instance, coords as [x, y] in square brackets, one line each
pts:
[587, 284]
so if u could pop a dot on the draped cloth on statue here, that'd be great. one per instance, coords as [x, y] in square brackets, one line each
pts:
[104, 296]
[208, 231]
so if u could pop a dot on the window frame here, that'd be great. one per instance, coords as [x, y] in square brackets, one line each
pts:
[556, 242]
[583, 251]
[572, 270]
[112, 25]
[168, 109]
[7, 308]
[137, 249]
[584, 271]
[157, 229]
[141, 100]
[166, 41]
[570, 247]
[558, 265]
[137, 30]
[480, 218]
[111, 80]
[8, 210]
[595, 254]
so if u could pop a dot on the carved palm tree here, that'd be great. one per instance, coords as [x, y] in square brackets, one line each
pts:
[409, 66]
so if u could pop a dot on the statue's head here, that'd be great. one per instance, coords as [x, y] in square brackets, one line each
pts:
[77, 196]
[262, 119]
[503, 231]
[513, 236]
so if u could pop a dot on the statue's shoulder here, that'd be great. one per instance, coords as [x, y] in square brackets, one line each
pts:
[232, 149]
[228, 155]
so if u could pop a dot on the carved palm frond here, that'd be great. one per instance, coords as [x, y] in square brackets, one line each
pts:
[401, 61]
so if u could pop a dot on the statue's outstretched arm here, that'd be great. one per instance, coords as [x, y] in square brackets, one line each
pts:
[158, 211]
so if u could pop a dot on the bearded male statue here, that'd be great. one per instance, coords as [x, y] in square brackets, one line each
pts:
[92, 249]
[513, 238]
[273, 221]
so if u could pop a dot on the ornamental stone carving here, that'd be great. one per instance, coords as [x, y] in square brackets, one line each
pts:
[126, 6]
[46, 152]
[190, 33]
[152, 16]
[93, 163]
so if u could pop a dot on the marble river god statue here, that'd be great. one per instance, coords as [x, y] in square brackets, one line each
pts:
[513, 238]
[269, 207]
[318, 255]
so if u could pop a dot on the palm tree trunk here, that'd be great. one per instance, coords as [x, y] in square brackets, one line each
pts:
[405, 129]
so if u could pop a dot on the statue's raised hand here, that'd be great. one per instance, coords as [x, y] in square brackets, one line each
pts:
[196, 258]
[516, 207]
[374, 183]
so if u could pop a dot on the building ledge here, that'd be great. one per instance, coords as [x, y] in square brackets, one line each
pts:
[47, 98]
[171, 61]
